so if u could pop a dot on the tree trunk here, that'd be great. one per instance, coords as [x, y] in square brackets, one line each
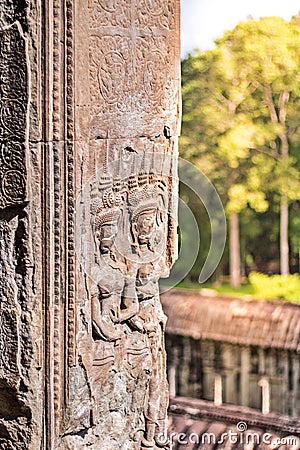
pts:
[235, 261]
[284, 244]
[284, 215]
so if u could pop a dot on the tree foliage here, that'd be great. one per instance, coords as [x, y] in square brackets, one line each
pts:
[241, 115]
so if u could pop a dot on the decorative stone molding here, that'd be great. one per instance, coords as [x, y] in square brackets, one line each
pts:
[14, 96]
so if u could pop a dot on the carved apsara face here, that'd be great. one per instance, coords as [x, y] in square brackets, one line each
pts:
[106, 236]
[145, 226]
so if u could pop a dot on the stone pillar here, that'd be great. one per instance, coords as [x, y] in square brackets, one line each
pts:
[245, 376]
[89, 119]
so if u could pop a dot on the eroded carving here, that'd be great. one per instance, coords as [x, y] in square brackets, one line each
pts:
[8, 341]
[110, 13]
[156, 14]
[111, 71]
[13, 115]
[111, 76]
[97, 337]
[128, 63]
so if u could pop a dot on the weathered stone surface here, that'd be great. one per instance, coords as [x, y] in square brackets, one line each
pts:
[89, 105]
[132, 79]
[14, 91]
[21, 324]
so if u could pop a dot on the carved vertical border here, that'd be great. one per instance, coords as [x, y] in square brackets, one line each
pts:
[59, 262]
[47, 225]
[71, 322]
[64, 323]
[58, 222]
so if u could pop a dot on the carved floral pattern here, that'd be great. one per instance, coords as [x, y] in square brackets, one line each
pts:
[110, 13]
[130, 74]
[13, 115]
[155, 13]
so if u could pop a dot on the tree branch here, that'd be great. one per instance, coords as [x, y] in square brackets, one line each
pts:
[283, 100]
[264, 149]
[270, 103]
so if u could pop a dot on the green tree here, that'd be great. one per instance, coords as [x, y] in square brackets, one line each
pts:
[217, 135]
[267, 55]
[240, 120]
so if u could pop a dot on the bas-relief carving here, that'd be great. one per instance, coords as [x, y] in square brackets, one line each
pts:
[153, 13]
[132, 71]
[13, 115]
[124, 356]
[126, 220]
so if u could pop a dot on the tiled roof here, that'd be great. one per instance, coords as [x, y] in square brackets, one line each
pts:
[197, 424]
[244, 321]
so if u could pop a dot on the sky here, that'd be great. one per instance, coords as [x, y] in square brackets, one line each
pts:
[202, 21]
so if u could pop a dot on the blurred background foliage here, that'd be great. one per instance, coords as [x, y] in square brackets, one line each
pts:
[241, 128]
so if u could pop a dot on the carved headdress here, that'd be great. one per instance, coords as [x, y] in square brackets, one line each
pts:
[106, 201]
[144, 192]
[145, 196]
[142, 199]
[108, 212]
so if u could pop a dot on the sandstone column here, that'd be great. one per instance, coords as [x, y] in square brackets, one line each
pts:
[89, 114]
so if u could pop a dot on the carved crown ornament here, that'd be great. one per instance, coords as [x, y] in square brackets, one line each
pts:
[137, 204]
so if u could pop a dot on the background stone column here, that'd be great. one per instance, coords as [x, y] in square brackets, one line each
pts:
[89, 119]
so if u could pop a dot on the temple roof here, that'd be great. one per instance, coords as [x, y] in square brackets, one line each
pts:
[245, 321]
[206, 426]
